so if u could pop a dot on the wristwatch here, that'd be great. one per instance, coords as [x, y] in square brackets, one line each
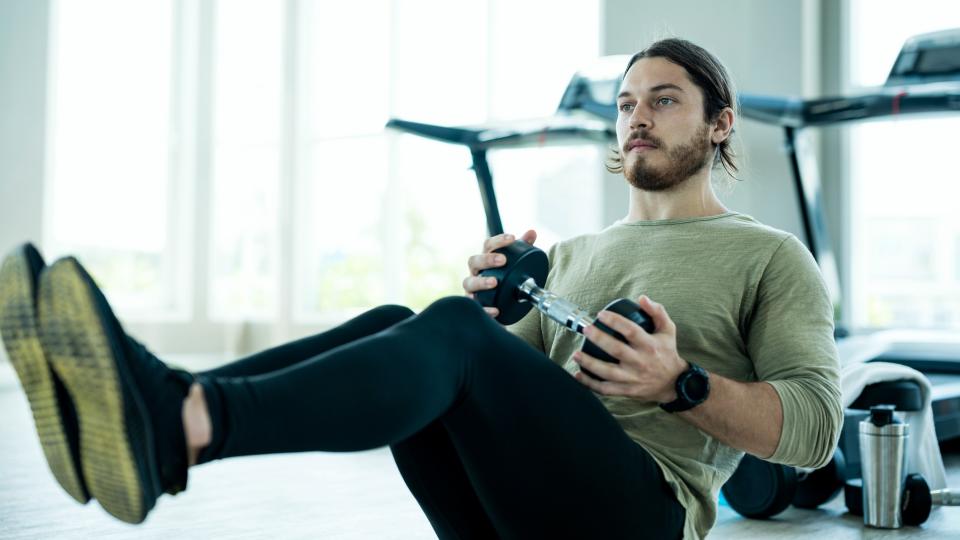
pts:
[693, 387]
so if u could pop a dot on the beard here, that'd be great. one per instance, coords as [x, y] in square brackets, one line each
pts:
[682, 162]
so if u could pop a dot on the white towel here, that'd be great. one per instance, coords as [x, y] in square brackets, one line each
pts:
[923, 453]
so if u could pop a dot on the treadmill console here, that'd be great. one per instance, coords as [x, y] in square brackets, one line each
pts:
[924, 58]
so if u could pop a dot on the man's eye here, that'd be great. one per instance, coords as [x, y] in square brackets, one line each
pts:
[665, 101]
[626, 107]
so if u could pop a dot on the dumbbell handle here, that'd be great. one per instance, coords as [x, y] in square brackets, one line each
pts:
[945, 497]
[556, 308]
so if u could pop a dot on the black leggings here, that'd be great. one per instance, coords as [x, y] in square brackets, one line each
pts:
[492, 438]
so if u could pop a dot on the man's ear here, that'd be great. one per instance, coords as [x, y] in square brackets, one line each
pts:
[722, 126]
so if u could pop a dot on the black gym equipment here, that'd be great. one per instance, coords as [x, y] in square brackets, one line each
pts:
[925, 79]
[519, 289]
[918, 499]
[759, 489]
[587, 111]
[564, 127]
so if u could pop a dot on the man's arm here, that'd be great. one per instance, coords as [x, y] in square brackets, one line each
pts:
[793, 417]
[747, 416]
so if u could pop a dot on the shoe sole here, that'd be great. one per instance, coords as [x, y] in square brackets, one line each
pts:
[19, 330]
[114, 428]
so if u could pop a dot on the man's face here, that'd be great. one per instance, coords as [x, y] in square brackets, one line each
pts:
[661, 131]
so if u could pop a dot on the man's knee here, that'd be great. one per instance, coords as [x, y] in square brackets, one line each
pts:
[460, 323]
[393, 313]
[460, 320]
[456, 309]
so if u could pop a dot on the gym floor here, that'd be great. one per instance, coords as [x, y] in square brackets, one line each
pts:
[314, 495]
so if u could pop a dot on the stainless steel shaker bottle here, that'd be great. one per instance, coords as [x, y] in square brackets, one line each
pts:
[883, 457]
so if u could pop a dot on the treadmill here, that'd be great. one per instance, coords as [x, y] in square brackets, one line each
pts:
[925, 79]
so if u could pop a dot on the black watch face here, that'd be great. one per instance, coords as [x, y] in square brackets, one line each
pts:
[695, 387]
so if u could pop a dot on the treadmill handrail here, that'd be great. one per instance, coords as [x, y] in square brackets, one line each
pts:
[877, 103]
[526, 132]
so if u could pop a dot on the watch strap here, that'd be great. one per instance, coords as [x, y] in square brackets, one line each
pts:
[683, 402]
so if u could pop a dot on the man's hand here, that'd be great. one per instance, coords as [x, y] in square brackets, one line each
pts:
[478, 263]
[649, 363]
[744, 415]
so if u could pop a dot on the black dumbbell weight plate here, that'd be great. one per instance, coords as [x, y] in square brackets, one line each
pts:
[853, 496]
[917, 501]
[629, 309]
[820, 486]
[759, 489]
[523, 261]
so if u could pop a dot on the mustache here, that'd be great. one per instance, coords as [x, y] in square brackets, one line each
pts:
[645, 136]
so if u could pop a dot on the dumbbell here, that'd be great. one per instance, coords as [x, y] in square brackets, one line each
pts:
[759, 489]
[918, 498]
[519, 290]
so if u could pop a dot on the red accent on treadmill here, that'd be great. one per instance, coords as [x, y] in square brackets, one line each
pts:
[896, 102]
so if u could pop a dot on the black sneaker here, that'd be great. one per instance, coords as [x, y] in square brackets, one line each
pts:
[53, 412]
[128, 402]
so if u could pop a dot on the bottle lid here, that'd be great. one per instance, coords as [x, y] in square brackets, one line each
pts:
[882, 415]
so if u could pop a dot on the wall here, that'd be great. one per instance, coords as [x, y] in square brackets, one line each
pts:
[834, 167]
[23, 60]
[768, 47]
[23, 82]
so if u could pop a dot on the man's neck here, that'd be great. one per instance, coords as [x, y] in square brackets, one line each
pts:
[692, 198]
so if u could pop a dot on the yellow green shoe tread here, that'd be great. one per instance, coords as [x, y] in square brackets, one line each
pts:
[19, 332]
[116, 444]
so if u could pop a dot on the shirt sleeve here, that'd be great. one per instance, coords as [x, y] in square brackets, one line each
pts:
[791, 343]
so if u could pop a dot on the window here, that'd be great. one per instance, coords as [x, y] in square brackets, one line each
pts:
[247, 123]
[388, 217]
[110, 192]
[905, 228]
[239, 164]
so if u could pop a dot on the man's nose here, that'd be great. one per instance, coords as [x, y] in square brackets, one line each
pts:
[640, 117]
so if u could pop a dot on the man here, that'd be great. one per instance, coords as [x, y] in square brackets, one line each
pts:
[492, 437]
[746, 302]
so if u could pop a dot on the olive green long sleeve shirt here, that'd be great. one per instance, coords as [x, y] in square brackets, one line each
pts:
[749, 304]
